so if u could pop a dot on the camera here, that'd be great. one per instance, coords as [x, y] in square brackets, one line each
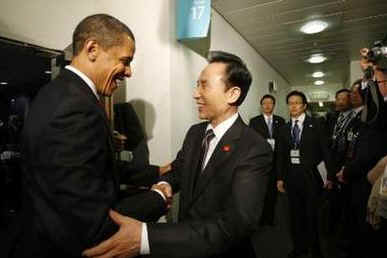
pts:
[378, 54]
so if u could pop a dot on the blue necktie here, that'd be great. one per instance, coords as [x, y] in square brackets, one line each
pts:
[296, 135]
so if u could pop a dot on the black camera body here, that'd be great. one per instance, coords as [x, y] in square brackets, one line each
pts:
[378, 54]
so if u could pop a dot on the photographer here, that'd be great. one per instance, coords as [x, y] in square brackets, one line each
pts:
[368, 148]
[374, 65]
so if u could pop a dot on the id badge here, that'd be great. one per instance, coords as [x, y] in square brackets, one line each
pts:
[271, 141]
[295, 153]
[295, 160]
[295, 156]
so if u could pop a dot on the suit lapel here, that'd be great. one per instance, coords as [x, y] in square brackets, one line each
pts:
[195, 158]
[89, 94]
[265, 129]
[223, 151]
[307, 131]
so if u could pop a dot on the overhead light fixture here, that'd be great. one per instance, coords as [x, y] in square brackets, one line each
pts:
[318, 74]
[3, 83]
[47, 72]
[316, 59]
[319, 82]
[313, 27]
[320, 104]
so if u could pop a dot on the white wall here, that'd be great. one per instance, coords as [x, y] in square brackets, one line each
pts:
[164, 71]
[355, 71]
[43, 22]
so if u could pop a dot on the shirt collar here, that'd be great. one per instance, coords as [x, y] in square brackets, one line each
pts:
[300, 119]
[358, 109]
[267, 117]
[84, 77]
[222, 128]
[345, 113]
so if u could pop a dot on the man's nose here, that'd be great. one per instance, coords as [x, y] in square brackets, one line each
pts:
[195, 93]
[128, 71]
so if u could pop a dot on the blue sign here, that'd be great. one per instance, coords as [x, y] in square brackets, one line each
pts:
[193, 18]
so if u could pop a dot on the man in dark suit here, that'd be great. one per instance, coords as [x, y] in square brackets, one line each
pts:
[69, 181]
[302, 146]
[268, 125]
[221, 173]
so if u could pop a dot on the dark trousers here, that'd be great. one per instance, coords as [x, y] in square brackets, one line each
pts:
[304, 198]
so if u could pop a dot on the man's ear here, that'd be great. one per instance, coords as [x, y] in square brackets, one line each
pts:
[233, 94]
[92, 49]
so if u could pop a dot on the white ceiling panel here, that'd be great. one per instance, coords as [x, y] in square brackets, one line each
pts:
[272, 28]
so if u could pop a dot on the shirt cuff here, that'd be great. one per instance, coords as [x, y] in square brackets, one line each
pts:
[144, 249]
[160, 193]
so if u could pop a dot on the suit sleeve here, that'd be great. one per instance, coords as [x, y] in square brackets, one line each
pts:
[327, 155]
[76, 180]
[366, 157]
[213, 235]
[282, 155]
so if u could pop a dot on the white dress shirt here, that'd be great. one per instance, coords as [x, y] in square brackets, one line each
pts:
[301, 119]
[84, 77]
[219, 131]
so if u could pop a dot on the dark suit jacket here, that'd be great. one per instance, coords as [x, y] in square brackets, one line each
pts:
[258, 123]
[217, 216]
[313, 149]
[69, 180]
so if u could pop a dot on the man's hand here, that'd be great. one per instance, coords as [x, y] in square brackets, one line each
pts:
[125, 243]
[166, 189]
[165, 169]
[340, 176]
[328, 185]
[119, 141]
[280, 186]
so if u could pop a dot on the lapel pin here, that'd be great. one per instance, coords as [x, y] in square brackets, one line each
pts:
[226, 148]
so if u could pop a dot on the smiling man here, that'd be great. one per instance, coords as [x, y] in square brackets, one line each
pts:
[69, 181]
[221, 173]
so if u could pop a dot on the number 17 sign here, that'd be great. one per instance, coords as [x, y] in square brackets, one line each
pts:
[193, 18]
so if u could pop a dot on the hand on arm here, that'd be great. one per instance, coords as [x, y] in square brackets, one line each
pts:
[166, 190]
[119, 141]
[125, 243]
[280, 186]
[165, 169]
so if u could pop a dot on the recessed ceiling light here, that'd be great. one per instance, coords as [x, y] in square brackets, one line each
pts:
[319, 82]
[313, 27]
[47, 72]
[318, 74]
[3, 83]
[316, 59]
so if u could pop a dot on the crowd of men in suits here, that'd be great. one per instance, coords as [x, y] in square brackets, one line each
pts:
[227, 174]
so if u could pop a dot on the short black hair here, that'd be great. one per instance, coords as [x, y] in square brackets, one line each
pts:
[267, 96]
[105, 29]
[297, 93]
[341, 91]
[358, 89]
[236, 72]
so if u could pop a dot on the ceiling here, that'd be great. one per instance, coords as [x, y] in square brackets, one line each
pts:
[272, 28]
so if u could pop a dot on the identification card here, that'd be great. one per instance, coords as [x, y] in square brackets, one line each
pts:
[271, 141]
[295, 160]
[295, 153]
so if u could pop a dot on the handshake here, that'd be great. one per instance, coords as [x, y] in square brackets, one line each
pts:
[127, 242]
